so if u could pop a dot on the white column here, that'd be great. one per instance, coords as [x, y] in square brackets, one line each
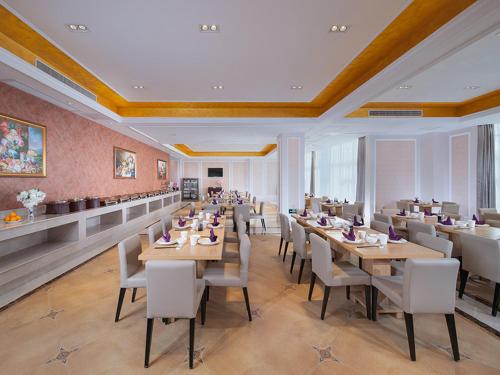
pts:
[291, 170]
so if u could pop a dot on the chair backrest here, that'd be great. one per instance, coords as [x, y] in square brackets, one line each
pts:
[389, 211]
[171, 289]
[128, 252]
[299, 239]
[285, 227]
[245, 249]
[435, 243]
[382, 218]
[349, 210]
[403, 205]
[324, 198]
[380, 226]
[243, 210]
[193, 205]
[451, 208]
[493, 223]
[415, 226]
[212, 208]
[241, 226]
[483, 211]
[321, 258]
[429, 286]
[261, 208]
[254, 200]
[166, 223]
[316, 205]
[155, 231]
[361, 208]
[481, 256]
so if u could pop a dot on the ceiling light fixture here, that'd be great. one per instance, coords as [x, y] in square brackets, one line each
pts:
[296, 87]
[217, 87]
[139, 87]
[471, 87]
[210, 28]
[77, 27]
[404, 87]
[338, 28]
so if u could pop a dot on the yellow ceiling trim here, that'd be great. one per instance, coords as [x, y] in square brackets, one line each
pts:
[435, 109]
[415, 23]
[189, 152]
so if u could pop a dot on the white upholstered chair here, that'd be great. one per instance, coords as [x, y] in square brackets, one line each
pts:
[173, 292]
[286, 234]
[155, 231]
[223, 274]
[435, 243]
[259, 216]
[231, 250]
[335, 274]
[132, 274]
[481, 256]
[382, 218]
[244, 211]
[427, 287]
[415, 226]
[348, 211]
[380, 226]
[300, 248]
[212, 208]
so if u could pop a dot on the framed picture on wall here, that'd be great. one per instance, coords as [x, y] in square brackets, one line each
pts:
[23, 148]
[161, 168]
[125, 163]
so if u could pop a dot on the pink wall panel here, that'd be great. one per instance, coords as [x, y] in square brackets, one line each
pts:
[395, 171]
[174, 170]
[213, 181]
[240, 175]
[460, 171]
[79, 154]
[191, 169]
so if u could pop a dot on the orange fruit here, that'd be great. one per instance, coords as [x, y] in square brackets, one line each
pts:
[7, 218]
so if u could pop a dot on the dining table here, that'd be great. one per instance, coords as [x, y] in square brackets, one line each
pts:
[454, 231]
[335, 206]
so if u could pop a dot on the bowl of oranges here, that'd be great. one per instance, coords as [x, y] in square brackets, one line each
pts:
[12, 218]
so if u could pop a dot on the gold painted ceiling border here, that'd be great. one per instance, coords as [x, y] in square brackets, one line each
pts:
[189, 152]
[416, 22]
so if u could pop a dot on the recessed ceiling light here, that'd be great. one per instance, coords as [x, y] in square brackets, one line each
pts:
[140, 87]
[211, 28]
[296, 87]
[338, 28]
[77, 27]
[217, 87]
[70, 103]
[471, 87]
[404, 87]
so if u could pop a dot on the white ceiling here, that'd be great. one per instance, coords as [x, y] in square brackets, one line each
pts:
[263, 47]
[478, 64]
[225, 147]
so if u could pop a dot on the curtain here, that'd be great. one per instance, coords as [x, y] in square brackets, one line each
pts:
[361, 163]
[485, 184]
[312, 186]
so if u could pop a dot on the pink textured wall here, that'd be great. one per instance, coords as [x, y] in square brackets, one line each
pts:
[79, 154]
[460, 171]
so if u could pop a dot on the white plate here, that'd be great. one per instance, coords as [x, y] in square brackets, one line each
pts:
[191, 218]
[364, 226]
[328, 226]
[205, 241]
[304, 217]
[448, 226]
[402, 240]
[161, 243]
[185, 227]
[482, 225]
[356, 242]
[12, 222]
[212, 226]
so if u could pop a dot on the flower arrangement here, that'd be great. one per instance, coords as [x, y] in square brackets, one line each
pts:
[30, 199]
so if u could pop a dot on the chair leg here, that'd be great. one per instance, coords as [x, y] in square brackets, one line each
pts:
[463, 280]
[293, 261]
[247, 302]
[311, 286]
[452, 330]
[411, 335]
[496, 298]
[120, 303]
[248, 228]
[207, 288]
[368, 302]
[302, 262]
[264, 225]
[281, 244]
[348, 291]
[286, 249]
[149, 335]
[374, 303]
[203, 307]
[191, 341]
[325, 302]
[134, 291]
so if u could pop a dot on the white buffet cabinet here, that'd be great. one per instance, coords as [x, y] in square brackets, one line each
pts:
[33, 253]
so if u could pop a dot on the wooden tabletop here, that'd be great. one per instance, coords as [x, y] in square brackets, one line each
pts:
[188, 252]
[486, 232]
[389, 251]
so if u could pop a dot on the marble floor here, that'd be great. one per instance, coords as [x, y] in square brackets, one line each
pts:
[67, 327]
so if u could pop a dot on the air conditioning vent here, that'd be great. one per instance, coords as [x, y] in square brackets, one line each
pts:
[396, 113]
[55, 74]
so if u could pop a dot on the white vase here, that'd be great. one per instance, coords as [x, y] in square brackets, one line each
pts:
[31, 213]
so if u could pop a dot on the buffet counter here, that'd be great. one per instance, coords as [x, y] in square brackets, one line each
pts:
[35, 252]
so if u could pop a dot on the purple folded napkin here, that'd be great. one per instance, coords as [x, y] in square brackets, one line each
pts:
[434, 201]
[217, 214]
[478, 222]
[328, 201]
[181, 222]
[345, 200]
[427, 212]
[213, 237]
[323, 222]
[216, 222]
[304, 213]
[402, 212]
[351, 236]
[312, 195]
[191, 212]
[357, 223]
[330, 212]
[416, 200]
[392, 235]
[447, 221]
[239, 201]
[166, 237]
[214, 201]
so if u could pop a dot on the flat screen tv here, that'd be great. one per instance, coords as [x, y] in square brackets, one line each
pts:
[215, 172]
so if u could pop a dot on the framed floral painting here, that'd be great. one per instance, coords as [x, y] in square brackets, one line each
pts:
[161, 168]
[23, 148]
[125, 163]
